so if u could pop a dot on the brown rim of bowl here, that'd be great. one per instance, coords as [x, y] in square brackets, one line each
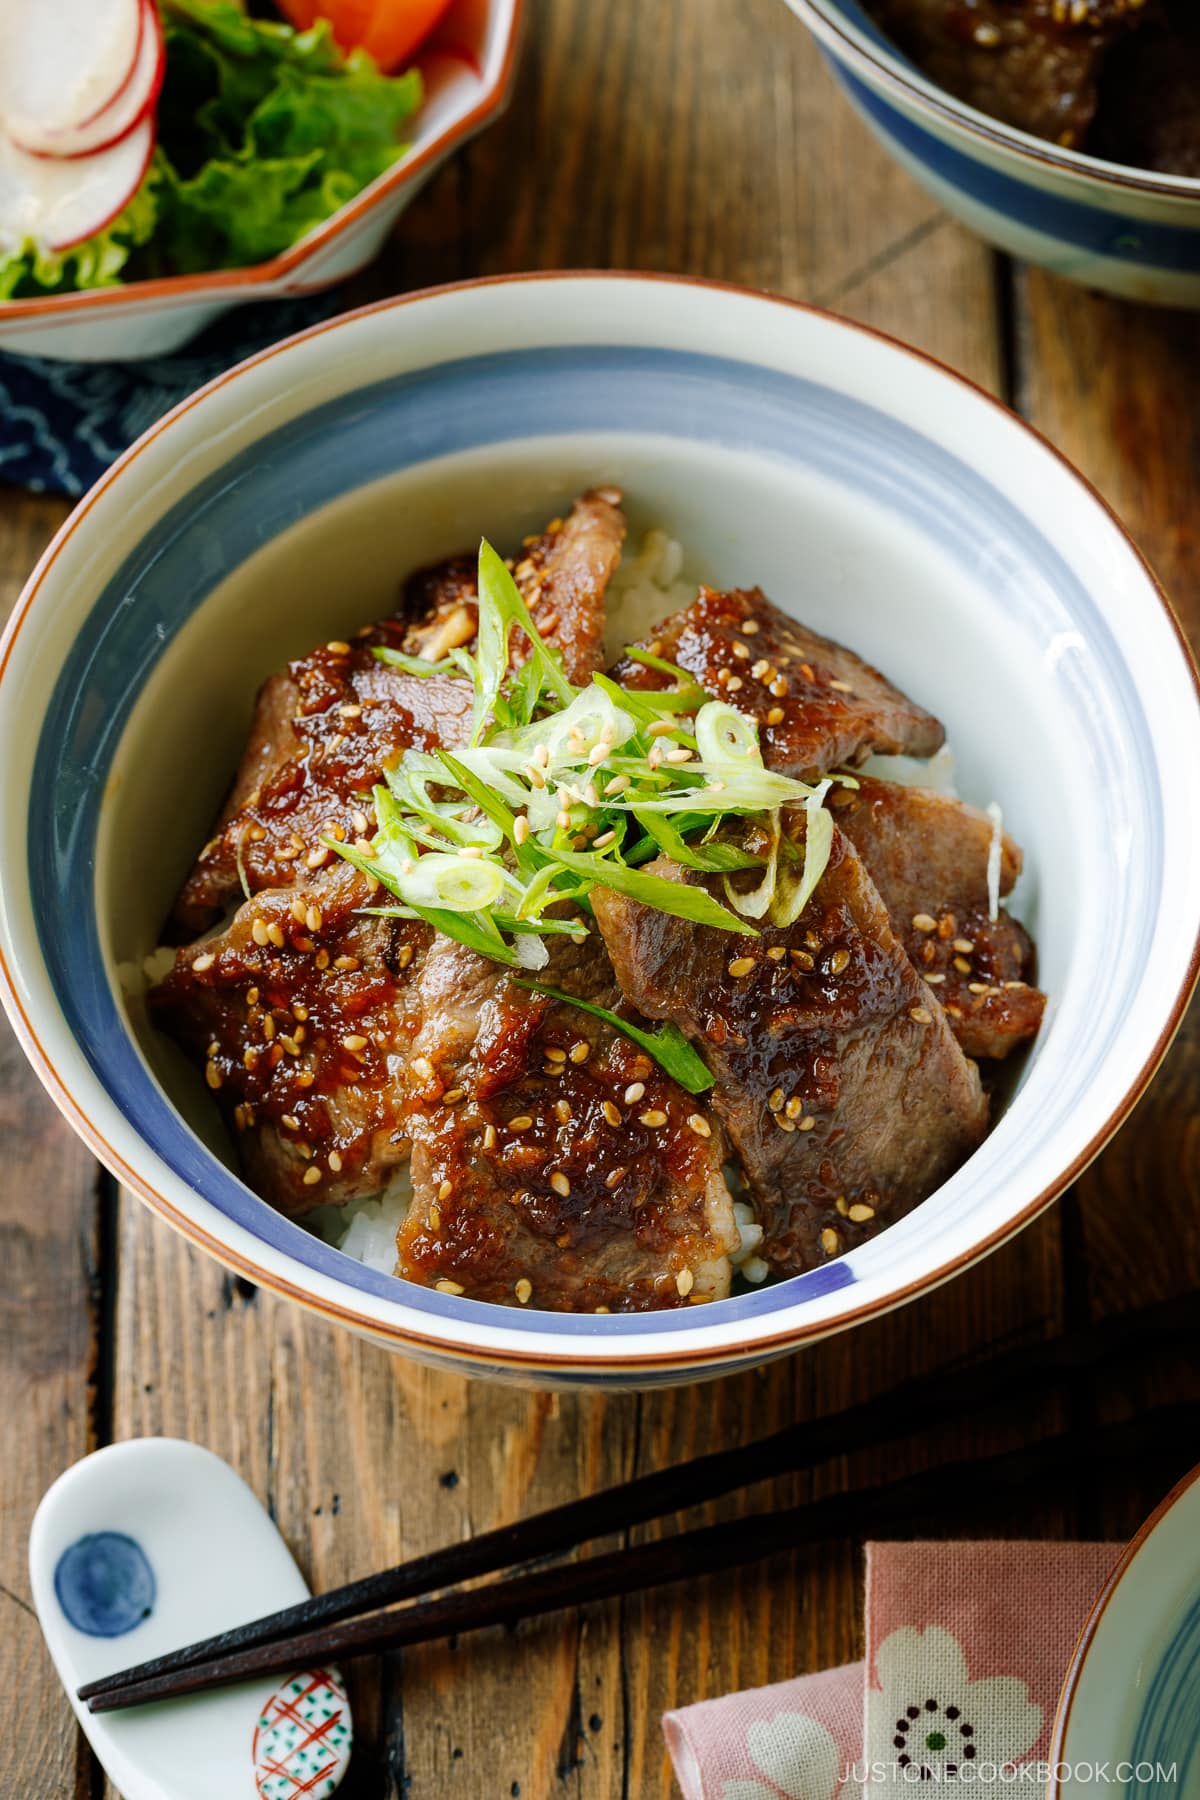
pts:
[1087, 1637]
[167, 288]
[897, 75]
[684, 1360]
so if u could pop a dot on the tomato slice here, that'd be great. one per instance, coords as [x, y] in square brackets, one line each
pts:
[389, 30]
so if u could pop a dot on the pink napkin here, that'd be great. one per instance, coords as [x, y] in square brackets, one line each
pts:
[967, 1647]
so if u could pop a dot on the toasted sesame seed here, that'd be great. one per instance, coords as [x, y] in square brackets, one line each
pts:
[355, 1040]
[831, 1243]
[778, 687]
[741, 650]
[404, 958]
[838, 961]
[652, 1118]
[291, 1044]
[606, 838]
[680, 755]
[359, 821]
[304, 1078]
[977, 987]
[298, 910]
[312, 1175]
[291, 1121]
[338, 646]
[775, 1103]
[351, 710]
[924, 922]
[524, 1290]
[554, 1054]
[611, 1113]
[777, 952]
[806, 1123]
[843, 687]
[617, 785]
[741, 965]
[258, 931]
[580, 1051]
[920, 1015]
[964, 946]
[422, 1068]
[275, 935]
[252, 996]
[204, 962]
[316, 858]
[268, 1026]
[214, 1049]
[560, 1184]
[563, 1110]
[775, 716]
[840, 1206]
[734, 683]
[616, 1178]
[1014, 984]
[962, 965]
[685, 1281]
[935, 980]
[861, 1212]
[453, 1096]
[520, 828]
[634, 1092]
[445, 1189]
[335, 1161]
[794, 1107]
[448, 1287]
[750, 626]
[761, 668]
[784, 1124]
[250, 1057]
[314, 918]
[522, 1122]
[321, 959]
[212, 1075]
[700, 1125]
[489, 1137]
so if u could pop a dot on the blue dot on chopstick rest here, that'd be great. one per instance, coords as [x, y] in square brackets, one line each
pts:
[104, 1584]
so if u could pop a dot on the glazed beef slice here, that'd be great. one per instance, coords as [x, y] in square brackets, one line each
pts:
[298, 1012]
[554, 1164]
[326, 727]
[928, 856]
[818, 705]
[1035, 64]
[838, 1080]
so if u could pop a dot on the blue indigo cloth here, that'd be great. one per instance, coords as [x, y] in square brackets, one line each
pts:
[62, 424]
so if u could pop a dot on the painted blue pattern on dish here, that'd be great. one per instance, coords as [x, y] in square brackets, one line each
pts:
[416, 418]
[104, 1584]
[1167, 1732]
[1091, 228]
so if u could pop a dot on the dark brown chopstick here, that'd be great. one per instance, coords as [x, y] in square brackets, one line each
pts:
[904, 1503]
[877, 1421]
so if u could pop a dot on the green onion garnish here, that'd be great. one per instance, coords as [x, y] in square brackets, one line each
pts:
[667, 1045]
[499, 843]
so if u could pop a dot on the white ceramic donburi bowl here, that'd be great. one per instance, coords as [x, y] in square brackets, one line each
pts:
[875, 494]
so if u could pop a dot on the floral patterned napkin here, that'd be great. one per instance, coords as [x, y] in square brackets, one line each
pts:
[62, 423]
[967, 1647]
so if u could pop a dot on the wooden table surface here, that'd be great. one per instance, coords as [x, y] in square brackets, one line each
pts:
[702, 136]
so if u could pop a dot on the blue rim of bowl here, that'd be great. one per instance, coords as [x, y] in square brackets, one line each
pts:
[683, 1358]
[1087, 1637]
[878, 58]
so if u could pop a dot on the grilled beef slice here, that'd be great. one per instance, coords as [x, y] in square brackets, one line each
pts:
[817, 704]
[554, 1163]
[298, 1013]
[928, 857]
[838, 1079]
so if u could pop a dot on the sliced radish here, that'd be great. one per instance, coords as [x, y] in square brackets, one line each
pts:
[62, 64]
[120, 116]
[58, 203]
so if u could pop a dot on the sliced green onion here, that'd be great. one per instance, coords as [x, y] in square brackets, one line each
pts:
[457, 883]
[725, 735]
[668, 1046]
[679, 898]
[794, 889]
[685, 680]
[501, 607]
[754, 903]
[712, 859]
[412, 665]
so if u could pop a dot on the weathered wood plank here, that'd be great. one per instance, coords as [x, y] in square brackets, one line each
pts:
[1117, 387]
[50, 1305]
